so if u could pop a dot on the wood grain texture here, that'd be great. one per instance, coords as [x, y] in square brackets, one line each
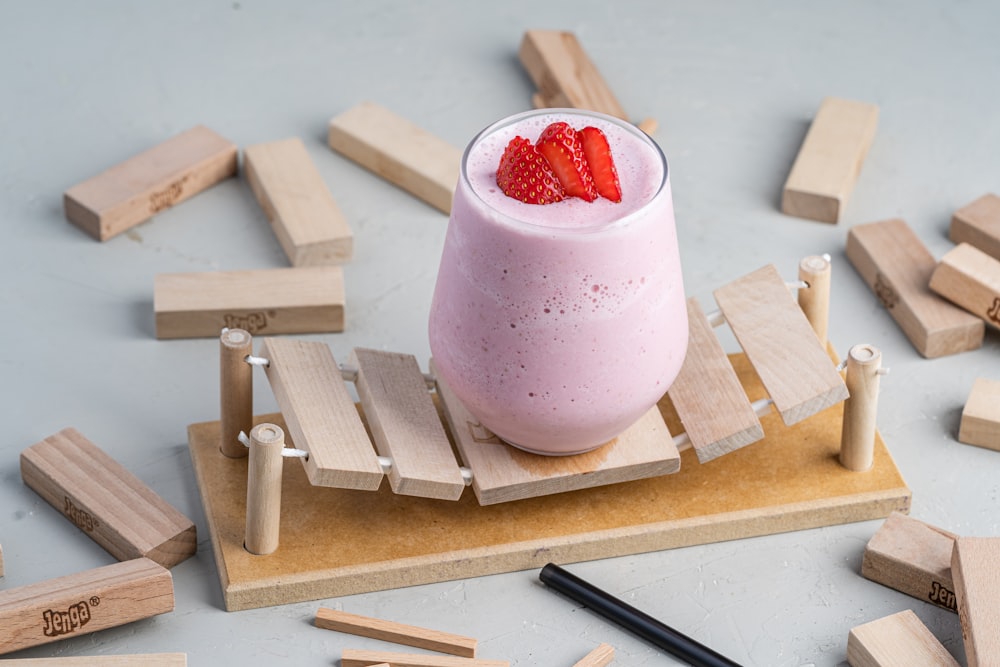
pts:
[980, 424]
[780, 343]
[264, 474]
[857, 437]
[235, 390]
[899, 640]
[358, 658]
[405, 425]
[304, 215]
[81, 603]
[130, 660]
[978, 224]
[107, 502]
[829, 161]
[320, 414]
[399, 151]
[399, 633]
[977, 588]
[897, 267]
[970, 278]
[603, 655]
[260, 301]
[708, 396]
[156, 179]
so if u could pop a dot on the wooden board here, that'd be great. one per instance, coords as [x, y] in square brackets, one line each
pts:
[980, 423]
[896, 265]
[399, 151]
[970, 278]
[829, 160]
[977, 587]
[261, 301]
[131, 660]
[338, 542]
[603, 655]
[399, 633]
[107, 502]
[300, 208]
[359, 658]
[899, 640]
[978, 224]
[156, 179]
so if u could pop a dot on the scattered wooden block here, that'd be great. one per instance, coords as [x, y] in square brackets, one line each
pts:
[829, 160]
[261, 301]
[912, 557]
[143, 659]
[409, 635]
[978, 224]
[302, 212]
[970, 278]
[104, 597]
[357, 658]
[107, 502]
[133, 191]
[779, 341]
[900, 640]
[708, 396]
[599, 657]
[977, 587]
[980, 423]
[398, 151]
[897, 267]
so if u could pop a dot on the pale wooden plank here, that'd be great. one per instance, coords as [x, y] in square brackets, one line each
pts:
[599, 657]
[977, 587]
[978, 223]
[980, 424]
[405, 425]
[304, 215]
[912, 557]
[82, 603]
[829, 161]
[359, 658]
[970, 278]
[780, 343]
[399, 633]
[122, 660]
[896, 265]
[156, 179]
[899, 640]
[708, 396]
[399, 151]
[107, 502]
[260, 301]
[320, 414]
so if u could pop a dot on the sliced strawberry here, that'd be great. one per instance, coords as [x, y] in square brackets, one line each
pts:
[525, 175]
[561, 147]
[602, 165]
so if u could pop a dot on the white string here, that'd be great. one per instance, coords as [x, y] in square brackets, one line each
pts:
[287, 452]
[256, 361]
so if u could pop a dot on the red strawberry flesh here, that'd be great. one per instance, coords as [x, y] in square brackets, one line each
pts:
[562, 149]
[525, 175]
[601, 164]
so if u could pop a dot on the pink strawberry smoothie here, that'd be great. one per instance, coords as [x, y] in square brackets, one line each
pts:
[559, 325]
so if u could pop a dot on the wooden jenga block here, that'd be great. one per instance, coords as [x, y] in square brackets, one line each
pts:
[260, 301]
[358, 658]
[140, 187]
[107, 502]
[408, 635]
[970, 278]
[104, 597]
[977, 587]
[829, 160]
[599, 657]
[131, 660]
[398, 151]
[912, 557]
[896, 265]
[900, 640]
[980, 423]
[978, 224]
[302, 212]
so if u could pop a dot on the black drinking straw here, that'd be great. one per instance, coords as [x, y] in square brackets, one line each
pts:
[630, 618]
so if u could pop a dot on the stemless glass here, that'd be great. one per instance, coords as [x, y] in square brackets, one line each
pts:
[559, 325]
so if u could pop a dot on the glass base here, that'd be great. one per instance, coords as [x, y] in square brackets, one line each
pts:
[529, 450]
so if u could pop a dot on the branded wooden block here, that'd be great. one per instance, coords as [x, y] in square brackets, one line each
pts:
[399, 151]
[400, 633]
[970, 278]
[82, 603]
[131, 660]
[358, 658]
[106, 501]
[977, 587]
[137, 189]
[599, 657]
[260, 301]
[302, 212]
[980, 423]
[978, 224]
[829, 161]
[899, 640]
[896, 265]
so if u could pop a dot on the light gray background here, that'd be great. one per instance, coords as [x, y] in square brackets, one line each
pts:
[734, 85]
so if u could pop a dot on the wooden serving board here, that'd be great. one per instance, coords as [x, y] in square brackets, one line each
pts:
[338, 542]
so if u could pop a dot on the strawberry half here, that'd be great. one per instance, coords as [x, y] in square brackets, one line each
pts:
[524, 174]
[601, 164]
[561, 146]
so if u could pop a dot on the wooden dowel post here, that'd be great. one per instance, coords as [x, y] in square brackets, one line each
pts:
[264, 489]
[857, 439]
[814, 300]
[235, 390]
